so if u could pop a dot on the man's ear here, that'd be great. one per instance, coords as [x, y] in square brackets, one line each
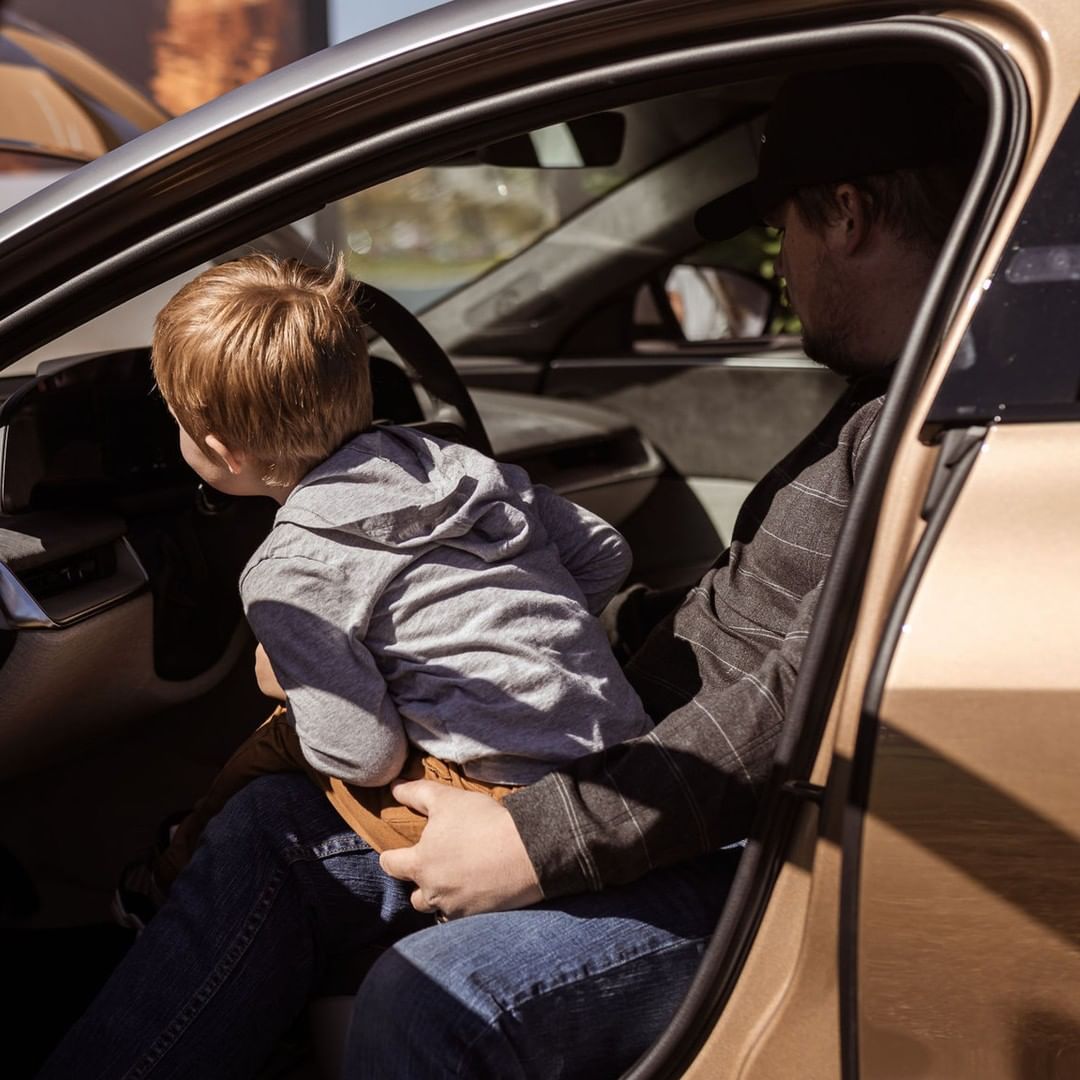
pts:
[234, 459]
[853, 222]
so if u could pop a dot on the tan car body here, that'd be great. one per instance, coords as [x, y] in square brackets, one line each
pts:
[968, 957]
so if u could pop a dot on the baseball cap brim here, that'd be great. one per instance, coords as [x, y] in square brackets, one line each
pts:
[728, 215]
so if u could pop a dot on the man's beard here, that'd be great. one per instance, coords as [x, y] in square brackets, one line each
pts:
[830, 342]
[831, 349]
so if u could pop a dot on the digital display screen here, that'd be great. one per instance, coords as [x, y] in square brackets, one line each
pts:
[93, 431]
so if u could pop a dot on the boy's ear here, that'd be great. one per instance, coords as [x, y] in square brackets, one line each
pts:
[234, 459]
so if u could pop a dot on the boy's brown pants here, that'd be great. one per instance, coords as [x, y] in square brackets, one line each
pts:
[372, 813]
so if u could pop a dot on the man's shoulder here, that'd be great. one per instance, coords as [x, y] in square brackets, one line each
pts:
[859, 428]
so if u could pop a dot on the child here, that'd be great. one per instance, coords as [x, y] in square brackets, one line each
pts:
[425, 610]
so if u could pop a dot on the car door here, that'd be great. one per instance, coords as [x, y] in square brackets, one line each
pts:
[766, 1001]
[965, 842]
[935, 906]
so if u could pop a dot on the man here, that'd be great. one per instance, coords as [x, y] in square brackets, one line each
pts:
[855, 257]
[624, 856]
[862, 171]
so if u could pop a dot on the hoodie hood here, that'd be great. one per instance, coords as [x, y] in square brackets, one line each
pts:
[401, 489]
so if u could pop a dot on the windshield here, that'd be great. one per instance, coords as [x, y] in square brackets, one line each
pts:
[425, 234]
[432, 232]
[421, 236]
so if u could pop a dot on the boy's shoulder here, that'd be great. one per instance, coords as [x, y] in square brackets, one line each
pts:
[394, 486]
[286, 548]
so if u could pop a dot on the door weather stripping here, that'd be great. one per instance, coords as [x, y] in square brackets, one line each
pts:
[958, 449]
[804, 791]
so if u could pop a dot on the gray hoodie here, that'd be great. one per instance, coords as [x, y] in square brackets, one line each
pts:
[415, 591]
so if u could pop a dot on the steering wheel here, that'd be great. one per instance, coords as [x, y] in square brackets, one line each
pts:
[424, 356]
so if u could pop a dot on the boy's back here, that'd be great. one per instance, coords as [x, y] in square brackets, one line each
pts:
[410, 590]
[415, 590]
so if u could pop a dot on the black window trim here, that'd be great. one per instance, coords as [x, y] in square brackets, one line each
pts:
[1017, 362]
[841, 815]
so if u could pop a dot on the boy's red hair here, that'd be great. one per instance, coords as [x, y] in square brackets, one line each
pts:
[269, 355]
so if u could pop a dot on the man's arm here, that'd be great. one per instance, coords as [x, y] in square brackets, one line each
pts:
[689, 786]
[596, 554]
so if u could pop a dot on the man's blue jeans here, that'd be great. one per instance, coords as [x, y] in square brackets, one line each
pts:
[281, 898]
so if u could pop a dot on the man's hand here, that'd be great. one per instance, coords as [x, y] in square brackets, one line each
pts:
[470, 858]
[265, 677]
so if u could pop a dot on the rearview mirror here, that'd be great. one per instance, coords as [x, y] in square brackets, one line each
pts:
[586, 143]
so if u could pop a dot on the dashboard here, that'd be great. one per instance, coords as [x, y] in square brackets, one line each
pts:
[118, 570]
[93, 431]
[97, 503]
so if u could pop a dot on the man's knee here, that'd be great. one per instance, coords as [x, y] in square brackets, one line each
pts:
[421, 1011]
[574, 989]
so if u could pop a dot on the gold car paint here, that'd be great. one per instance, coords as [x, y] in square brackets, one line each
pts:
[88, 75]
[40, 115]
[969, 926]
[969, 894]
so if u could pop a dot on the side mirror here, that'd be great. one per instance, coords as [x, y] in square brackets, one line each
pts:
[717, 304]
[586, 143]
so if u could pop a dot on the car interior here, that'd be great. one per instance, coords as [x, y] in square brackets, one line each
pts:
[597, 341]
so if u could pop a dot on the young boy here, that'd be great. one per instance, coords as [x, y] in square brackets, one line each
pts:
[424, 609]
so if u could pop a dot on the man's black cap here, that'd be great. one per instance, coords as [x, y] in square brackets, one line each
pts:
[832, 126]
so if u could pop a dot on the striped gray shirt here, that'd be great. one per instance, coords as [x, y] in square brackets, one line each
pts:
[716, 675]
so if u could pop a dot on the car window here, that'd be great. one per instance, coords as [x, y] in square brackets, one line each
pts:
[511, 260]
[426, 234]
[513, 255]
[433, 232]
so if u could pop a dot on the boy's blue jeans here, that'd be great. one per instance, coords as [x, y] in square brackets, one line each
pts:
[281, 898]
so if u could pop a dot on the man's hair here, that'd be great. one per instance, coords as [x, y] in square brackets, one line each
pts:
[269, 355]
[918, 205]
